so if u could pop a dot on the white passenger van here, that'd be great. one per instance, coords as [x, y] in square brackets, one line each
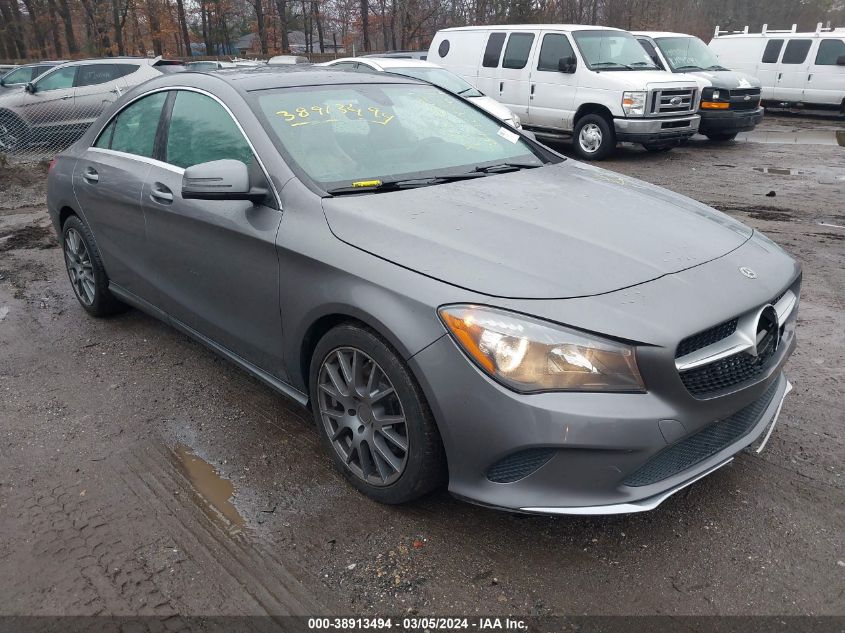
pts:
[593, 83]
[793, 68]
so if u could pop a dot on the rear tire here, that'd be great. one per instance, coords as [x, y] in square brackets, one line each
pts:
[13, 133]
[85, 270]
[721, 137]
[360, 390]
[593, 137]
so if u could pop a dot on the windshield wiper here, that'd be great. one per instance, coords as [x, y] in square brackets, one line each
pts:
[464, 91]
[689, 67]
[405, 183]
[617, 64]
[499, 168]
[647, 65]
[717, 67]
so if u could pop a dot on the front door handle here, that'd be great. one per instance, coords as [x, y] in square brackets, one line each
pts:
[501, 86]
[809, 77]
[160, 193]
[90, 175]
[532, 90]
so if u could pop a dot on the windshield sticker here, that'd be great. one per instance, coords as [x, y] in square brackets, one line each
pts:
[513, 137]
[329, 113]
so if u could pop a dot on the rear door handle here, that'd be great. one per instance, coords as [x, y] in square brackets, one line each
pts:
[501, 86]
[532, 90]
[809, 77]
[90, 175]
[161, 193]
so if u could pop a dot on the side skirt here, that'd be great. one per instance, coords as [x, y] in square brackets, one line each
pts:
[145, 306]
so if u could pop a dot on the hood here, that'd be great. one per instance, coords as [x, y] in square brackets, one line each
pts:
[727, 79]
[643, 79]
[493, 107]
[560, 231]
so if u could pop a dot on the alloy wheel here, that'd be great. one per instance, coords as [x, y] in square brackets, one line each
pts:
[79, 267]
[8, 137]
[363, 416]
[590, 138]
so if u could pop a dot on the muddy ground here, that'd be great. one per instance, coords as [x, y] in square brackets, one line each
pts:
[140, 473]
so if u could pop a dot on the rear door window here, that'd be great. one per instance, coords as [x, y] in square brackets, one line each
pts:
[136, 127]
[772, 51]
[494, 50]
[201, 130]
[95, 74]
[554, 48]
[517, 51]
[829, 52]
[796, 51]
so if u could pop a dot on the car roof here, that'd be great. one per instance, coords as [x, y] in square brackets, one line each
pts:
[533, 27]
[148, 61]
[658, 34]
[389, 62]
[246, 79]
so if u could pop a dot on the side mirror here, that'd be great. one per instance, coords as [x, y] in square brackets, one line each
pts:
[220, 180]
[30, 88]
[567, 64]
[840, 61]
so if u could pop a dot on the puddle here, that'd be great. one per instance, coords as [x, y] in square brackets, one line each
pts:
[213, 489]
[802, 137]
[779, 171]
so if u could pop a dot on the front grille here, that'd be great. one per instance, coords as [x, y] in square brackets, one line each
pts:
[519, 465]
[673, 101]
[727, 372]
[703, 445]
[705, 338]
[738, 98]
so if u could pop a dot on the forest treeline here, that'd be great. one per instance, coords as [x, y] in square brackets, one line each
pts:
[59, 29]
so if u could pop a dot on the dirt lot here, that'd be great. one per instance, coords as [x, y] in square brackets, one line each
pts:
[143, 474]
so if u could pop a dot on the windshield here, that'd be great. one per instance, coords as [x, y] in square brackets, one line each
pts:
[439, 77]
[362, 135]
[688, 53]
[612, 50]
[202, 65]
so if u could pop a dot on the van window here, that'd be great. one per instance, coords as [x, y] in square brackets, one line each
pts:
[493, 50]
[796, 51]
[518, 49]
[554, 48]
[443, 49]
[772, 52]
[829, 52]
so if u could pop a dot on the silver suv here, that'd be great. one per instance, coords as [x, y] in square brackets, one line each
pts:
[58, 106]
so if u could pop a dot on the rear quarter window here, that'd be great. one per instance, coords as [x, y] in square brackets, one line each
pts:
[772, 51]
[493, 51]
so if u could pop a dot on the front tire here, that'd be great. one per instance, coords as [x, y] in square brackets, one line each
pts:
[372, 417]
[13, 133]
[594, 137]
[85, 270]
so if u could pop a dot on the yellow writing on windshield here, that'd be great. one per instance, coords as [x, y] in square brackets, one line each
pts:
[366, 183]
[328, 113]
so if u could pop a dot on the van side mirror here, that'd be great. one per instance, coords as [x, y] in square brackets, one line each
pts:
[30, 88]
[220, 180]
[567, 64]
[840, 61]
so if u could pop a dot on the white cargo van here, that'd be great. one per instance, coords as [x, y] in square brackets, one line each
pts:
[593, 83]
[793, 68]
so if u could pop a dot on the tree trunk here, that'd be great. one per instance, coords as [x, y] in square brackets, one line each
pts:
[67, 18]
[316, 4]
[12, 14]
[183, 24]
[34, 13]
[365, 25]
[282, 6]
[258, 5]
[54, 29]
[118, 27]
[155, 27]
[206, 29]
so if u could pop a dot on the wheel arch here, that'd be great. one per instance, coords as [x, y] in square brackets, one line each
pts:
[592, 108]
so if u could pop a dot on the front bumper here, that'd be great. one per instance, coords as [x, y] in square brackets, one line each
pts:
[729, 121]
[598, 441]
[656, 130]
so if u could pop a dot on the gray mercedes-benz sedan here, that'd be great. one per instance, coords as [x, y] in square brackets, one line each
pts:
[453, 301]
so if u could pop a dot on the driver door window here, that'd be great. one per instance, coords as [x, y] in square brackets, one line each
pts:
[60, 79]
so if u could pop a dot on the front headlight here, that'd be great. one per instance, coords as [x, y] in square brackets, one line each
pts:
[530, 355]
[633, 103]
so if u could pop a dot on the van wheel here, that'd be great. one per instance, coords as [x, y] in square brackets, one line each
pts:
[373, 418]
[721, 137]
[593, 137]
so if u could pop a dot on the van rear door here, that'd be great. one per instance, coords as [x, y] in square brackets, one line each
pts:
[793, 71]
[514, 72]
[488, 71]
[768, 71]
